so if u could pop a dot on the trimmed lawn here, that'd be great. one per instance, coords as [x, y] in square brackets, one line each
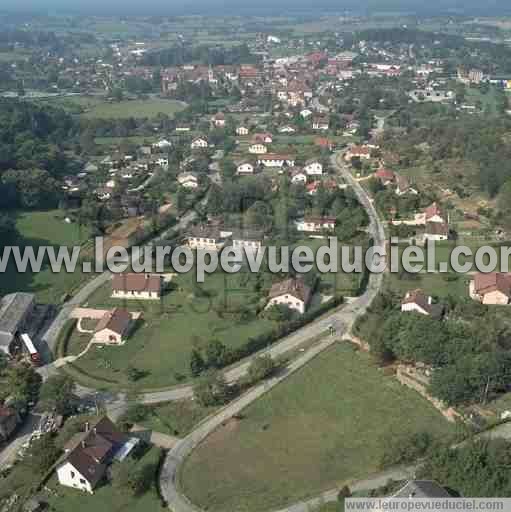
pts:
[325, 425]
[160, 347]
[175, 418]
[44, 228]
[106, 498]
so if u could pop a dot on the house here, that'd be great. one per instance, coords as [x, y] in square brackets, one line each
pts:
[493, 288]
[88, 455]
[219, 120]
[298, 175]
[305, 113]
[386, 176]
[249, 241]
[276, 160]
[313, 167]
[418, 302]
[293, 293]
[320, 122]
[188, 180]
[434, 213]
[9, 420]
[137, 286]
[262, 138]
[287, 129]
[206, 238]
[245, 168]
[199, 143]
[403, 186]
[16, 310]
[354, 151]
[113, 328]
[257, 149]
[315, 224]
[242, 131]
[324, 143]
[436, 231]
[162, 145]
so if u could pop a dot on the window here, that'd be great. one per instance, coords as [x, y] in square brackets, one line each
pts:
[82, 481]
[73, 474]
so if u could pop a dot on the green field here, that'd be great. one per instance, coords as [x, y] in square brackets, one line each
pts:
[161, 346]
[324, 426]
[134, 108]
[44, 228]
[107, 498]
[96, 107]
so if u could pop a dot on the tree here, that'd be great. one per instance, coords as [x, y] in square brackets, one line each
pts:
[22, 383]
[42, 454]
[134, 478]
[261, 368]
[197, 364]
[212, 390]
[57, 393]
[216, 354]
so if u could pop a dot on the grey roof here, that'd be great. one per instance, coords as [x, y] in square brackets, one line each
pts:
[13, 309]
[422, 489]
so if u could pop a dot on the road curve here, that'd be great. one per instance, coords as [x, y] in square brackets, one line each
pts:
[345, 318]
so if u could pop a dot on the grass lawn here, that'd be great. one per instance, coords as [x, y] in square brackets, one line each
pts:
[325, 425]
[175, 418]
[161, 346]
[106, 498]
[96, 107]
[134, 108]
[44, 228]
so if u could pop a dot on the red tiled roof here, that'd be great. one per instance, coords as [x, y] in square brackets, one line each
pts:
[295, 287]
[491, 282]
[116, 320]
[131, 282]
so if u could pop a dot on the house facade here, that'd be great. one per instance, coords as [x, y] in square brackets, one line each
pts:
[313, 167]
[493, 288]
[293, 293]
[316, 224]
[245, 169]
[199, 143]
[206, 238]
[257, 149]
[113, 328]
[137, 286]
[88, 455]
[276, 160]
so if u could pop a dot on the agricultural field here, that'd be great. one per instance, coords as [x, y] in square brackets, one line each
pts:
[134, 108]
[44, 228]
[339, 411]
[96, 107]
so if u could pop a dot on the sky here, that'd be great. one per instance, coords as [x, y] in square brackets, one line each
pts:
[268, 7]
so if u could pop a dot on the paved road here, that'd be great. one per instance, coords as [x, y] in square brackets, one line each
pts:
[343, 318]
[8, 452]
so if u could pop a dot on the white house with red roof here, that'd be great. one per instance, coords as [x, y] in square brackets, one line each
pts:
[492, 288]
[416, 301]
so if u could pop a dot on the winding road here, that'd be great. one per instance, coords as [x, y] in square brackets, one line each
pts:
[343, 318]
